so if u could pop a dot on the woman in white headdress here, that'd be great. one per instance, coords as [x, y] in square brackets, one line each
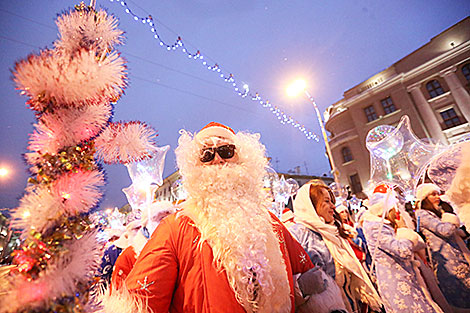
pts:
[320, 232]
[442, 237]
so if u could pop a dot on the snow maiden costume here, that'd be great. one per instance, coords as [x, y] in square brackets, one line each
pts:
[393, 257]
[323, 243]
[452, 269]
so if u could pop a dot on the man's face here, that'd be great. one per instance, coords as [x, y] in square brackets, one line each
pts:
[218, 151]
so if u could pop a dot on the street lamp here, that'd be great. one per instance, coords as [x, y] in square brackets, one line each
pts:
[3, 172]
[293, 90]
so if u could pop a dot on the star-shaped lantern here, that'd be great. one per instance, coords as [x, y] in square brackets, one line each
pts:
[146, 177]
[397, 156]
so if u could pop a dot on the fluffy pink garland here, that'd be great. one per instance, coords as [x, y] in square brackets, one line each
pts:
[68, 126]
[67, 81]
[125, 142]
[71, 194]
[98, 31]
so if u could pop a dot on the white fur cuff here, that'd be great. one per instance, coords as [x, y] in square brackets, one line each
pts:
[407, 233]
[451, 218]
[325, 302]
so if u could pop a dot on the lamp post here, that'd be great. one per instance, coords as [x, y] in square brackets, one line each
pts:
[294, 89]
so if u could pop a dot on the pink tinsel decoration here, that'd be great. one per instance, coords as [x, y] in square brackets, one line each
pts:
[70, 81]
[88, 30]
[125, 142]
[71, 194]
[68, 126]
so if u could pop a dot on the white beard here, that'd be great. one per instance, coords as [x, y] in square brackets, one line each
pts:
[228, 207]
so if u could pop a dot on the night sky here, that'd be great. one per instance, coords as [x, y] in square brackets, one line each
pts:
[333, 45]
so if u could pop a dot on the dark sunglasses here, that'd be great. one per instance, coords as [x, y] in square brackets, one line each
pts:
[225, 152]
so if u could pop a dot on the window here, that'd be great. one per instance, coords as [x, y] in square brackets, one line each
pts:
[434, 88]
[347, 155]
[388, 105]
[370, 113]
[356, 186]
[450, 118]
[466, 71]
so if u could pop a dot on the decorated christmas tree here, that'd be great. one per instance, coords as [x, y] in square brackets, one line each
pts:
[72, 88]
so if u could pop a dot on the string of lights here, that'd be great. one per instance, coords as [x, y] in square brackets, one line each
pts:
[242, 90]
[131, 76]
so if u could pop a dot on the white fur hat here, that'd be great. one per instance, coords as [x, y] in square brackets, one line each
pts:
[214, 129]
[425, 190]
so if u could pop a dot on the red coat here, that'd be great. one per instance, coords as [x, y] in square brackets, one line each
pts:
[123, 266]
[176, 276]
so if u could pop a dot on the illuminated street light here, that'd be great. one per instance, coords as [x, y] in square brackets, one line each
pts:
[294, 90]
[3, 172]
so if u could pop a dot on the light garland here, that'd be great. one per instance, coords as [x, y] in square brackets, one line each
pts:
[242, 91]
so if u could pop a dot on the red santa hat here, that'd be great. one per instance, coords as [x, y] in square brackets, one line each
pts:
[214, 129]
[425, 190]
[383, 199]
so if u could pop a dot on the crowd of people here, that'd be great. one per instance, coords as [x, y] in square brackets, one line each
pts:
[222, 250]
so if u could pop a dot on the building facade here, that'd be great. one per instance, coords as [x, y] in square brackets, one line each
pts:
[431, 85]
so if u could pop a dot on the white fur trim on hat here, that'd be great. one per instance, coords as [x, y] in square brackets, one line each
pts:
[425, 190]
[451, 218]
[215, 130]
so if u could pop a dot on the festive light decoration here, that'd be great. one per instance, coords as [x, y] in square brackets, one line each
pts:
[91, 30]
[397, 156]
[242, 90]
[146, 176]
[149, 171]
[279, 190]
[90, 79]
[68, 126]
[70, 87]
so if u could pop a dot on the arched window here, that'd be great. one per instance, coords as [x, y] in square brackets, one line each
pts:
[434, 88]
[466, 71]
[347, 155]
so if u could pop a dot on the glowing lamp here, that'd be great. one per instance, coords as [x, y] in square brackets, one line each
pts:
[3, 172]
[296, 88]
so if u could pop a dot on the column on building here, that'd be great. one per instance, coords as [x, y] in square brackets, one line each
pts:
[427, 113]
[461, 96]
